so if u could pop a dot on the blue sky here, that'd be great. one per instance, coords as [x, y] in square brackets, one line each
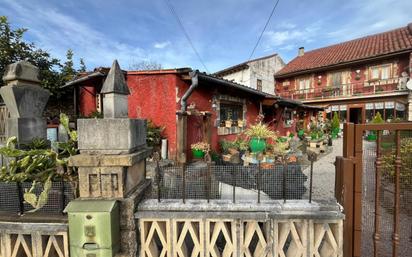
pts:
[223, 31]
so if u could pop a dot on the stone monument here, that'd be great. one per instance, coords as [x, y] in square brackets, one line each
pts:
[112, 159]
[25, 100]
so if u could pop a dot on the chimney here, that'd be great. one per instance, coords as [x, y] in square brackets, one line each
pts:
[410, 28]
[301, 51]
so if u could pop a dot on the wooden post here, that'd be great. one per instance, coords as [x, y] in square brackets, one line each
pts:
[357, 190]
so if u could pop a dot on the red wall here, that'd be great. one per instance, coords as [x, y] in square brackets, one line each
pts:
[154, 97]
[202, 97]
[87, 100]
[157, 97]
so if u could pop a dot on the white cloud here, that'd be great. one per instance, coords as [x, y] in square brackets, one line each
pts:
[56, 32]
[287, 39]
[161, 45]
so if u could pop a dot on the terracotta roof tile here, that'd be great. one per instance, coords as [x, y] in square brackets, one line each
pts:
[392, 41]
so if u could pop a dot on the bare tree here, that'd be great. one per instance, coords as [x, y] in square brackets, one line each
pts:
[145, 65]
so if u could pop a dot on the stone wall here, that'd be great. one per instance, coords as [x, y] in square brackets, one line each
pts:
[220, 228]
[35, 239]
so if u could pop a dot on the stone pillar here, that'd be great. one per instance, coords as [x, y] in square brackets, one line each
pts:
[410, 106]
[113, 150]
[25, 100]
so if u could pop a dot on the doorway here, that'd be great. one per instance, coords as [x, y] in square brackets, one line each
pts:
[355, 115]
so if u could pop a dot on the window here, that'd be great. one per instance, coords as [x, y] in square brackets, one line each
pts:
[304, 85]
[230, 114]
[259, 84]
[389, 111]
[369, 112]
[380, 72]
[342, 113]
[400, 111]
[287, 118]
[335, 80]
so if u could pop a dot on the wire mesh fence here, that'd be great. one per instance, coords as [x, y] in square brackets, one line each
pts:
[386, 167]
[12, 197]
[203, 180]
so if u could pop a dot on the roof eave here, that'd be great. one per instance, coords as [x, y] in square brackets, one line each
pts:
[84, 78]
[339, 65]
[233, 85]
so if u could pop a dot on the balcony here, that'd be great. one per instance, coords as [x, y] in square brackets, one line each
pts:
[370, 88]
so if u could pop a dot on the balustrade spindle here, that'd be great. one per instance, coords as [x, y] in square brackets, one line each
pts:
[378, 166]
[398, 162]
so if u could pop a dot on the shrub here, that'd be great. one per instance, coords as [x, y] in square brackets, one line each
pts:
[335, 122]
[154, 134]
[259, 130]
[388, 166]
[377, 119]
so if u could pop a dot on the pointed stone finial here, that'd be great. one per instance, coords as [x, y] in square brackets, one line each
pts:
[115, 82]
[115, 91]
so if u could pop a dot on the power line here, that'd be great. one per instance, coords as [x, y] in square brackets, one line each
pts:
[179, 21]
[264, 28]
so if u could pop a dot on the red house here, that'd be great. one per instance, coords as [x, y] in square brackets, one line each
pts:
[163, 95]
[355, 79]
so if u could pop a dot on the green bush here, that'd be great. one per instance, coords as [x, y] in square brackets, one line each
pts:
[154, 134]
[388, 166]
[335, 122]
[377, 119]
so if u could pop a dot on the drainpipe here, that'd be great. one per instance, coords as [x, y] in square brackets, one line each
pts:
[195, 83]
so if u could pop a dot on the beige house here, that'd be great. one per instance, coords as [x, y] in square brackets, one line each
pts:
[257, 73]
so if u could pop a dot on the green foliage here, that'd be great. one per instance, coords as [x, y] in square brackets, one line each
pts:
[82, 66]
[38, 143]
[225, 145]
[38, 202]
[259, 130]
[154, 134]
[39, 164]
[378, 119]
[93, 115]
[238, 144]
[388, 164]
[335, 122]
[14, 48]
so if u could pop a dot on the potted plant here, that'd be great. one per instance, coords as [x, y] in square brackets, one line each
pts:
[376, 120]
[335, 125]
[199, 149]
[300, 129]
[258, 134]
[228, 123]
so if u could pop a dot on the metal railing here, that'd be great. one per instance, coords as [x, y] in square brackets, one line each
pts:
[345, 90]
[281, 181]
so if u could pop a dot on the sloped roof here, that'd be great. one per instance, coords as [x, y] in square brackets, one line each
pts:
[240, 66]
[389, 42]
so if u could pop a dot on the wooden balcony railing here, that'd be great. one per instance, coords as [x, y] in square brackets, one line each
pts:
[345, 90]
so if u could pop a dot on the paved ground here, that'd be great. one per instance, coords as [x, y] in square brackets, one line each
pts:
[324, 174]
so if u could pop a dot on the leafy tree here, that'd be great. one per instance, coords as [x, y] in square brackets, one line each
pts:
[82, 66]
[14, 48]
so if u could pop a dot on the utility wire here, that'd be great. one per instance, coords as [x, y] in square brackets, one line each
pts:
[264, 28]
[179, 21]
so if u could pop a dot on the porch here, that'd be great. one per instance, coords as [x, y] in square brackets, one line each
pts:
[376, 88]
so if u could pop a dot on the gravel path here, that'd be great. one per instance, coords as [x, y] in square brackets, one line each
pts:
[324, 174]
